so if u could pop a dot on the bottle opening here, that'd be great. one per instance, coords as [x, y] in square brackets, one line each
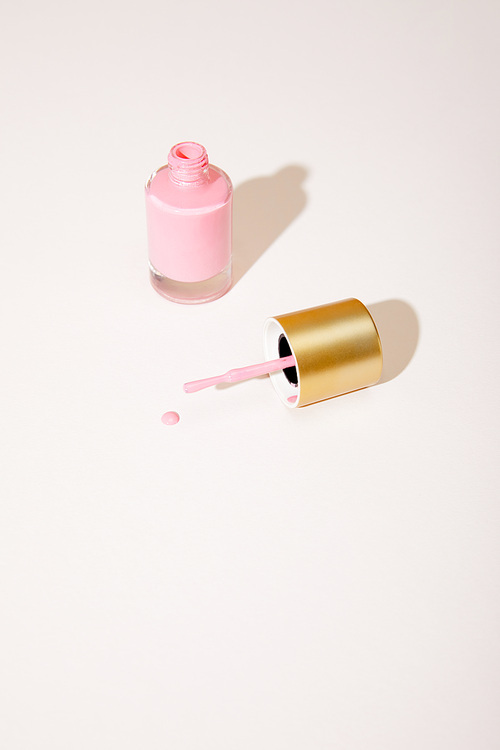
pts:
[188, 151]
[188, 162]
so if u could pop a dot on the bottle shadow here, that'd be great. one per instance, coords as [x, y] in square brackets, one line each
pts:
[262, 209]
[398, 328]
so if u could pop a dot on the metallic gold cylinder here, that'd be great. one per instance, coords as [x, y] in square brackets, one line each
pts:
[336, 347]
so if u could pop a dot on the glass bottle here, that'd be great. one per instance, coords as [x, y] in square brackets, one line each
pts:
[189, 221]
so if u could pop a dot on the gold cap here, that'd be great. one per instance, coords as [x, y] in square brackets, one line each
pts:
[336, 347]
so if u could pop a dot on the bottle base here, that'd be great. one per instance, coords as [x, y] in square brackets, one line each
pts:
[191, 292]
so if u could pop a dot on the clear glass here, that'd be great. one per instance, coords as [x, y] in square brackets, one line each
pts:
[191, 292]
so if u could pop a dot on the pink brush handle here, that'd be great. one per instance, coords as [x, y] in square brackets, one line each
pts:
[241, 373]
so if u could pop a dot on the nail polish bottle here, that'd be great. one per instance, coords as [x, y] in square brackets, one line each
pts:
[189, 222]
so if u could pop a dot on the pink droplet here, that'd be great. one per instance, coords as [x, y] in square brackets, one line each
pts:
[170, 417]
[292, 399]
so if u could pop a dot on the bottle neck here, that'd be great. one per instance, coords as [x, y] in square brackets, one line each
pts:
[188, 163]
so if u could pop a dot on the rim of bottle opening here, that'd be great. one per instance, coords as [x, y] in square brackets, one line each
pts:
[188, 161]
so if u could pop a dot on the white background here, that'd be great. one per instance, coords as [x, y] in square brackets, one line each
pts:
[255, 578]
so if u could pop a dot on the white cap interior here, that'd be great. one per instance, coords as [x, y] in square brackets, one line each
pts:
[273, 334]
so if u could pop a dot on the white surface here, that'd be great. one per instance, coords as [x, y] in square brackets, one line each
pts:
[255, 577]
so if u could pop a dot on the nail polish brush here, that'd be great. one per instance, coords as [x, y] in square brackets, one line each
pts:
[241, 373]
[323, 352]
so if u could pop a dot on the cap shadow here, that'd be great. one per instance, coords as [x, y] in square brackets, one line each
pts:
[398, 328]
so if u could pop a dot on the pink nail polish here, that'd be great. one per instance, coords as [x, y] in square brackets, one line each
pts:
[189, 220]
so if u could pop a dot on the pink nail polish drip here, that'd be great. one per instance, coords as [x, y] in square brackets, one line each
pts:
[170, 417]
[189, 220]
